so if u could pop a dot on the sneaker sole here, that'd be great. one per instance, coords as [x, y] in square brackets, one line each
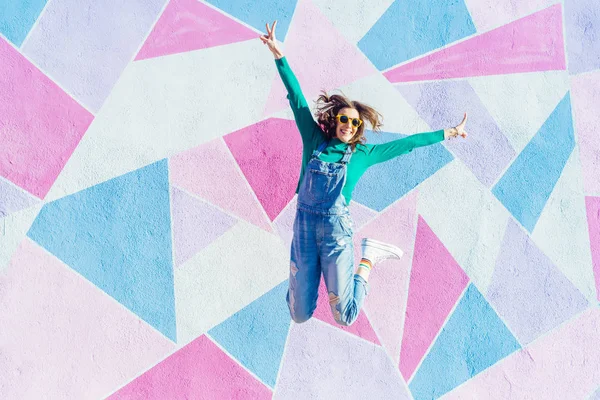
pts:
[383, 246]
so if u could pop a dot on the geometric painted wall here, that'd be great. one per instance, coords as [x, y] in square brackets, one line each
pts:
[146, 212]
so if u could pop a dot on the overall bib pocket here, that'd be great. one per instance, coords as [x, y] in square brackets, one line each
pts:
[320, 185]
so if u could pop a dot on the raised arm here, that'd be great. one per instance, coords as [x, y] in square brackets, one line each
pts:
[304, 120]
[386, 151]
[382, 152]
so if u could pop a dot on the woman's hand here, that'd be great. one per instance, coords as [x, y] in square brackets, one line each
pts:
[269, 40]
[459, 130]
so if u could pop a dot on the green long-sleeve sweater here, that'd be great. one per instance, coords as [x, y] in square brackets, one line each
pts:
[364, 156]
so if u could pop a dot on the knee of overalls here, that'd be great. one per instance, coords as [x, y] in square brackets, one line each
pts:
[346, 318]
[298, 314]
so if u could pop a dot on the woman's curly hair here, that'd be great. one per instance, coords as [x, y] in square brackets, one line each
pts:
[329, 106]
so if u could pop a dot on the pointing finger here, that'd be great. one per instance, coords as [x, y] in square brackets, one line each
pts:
[461, 125]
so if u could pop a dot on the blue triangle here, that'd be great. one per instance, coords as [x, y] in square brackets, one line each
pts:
[258, 13]
[118, 236]
[410, 28]
[399, 175]
[526, 186]
[472, 340]
[256, 335]
[18, 17]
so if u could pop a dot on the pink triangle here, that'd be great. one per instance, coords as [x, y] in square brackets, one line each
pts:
[196, 224]
[388, 283]
[187, 25]
[62, 337]
[361, 327]
[320, 56]
[533, 43]
[210, 172]
[199, 370]
[436, 283]
[593, 217]
[269, 154]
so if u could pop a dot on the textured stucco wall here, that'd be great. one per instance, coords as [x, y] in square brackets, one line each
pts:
[148, 161]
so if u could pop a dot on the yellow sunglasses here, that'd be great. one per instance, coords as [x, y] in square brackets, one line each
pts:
[343, 118]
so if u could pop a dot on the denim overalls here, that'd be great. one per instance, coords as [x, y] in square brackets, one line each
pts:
[323, 242]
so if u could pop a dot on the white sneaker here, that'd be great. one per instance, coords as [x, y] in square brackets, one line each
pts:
[376, 251]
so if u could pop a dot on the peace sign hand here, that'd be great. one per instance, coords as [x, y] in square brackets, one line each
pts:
[459, 130]
[270, 41]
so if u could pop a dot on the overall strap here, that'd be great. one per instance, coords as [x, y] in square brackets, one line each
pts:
[322, 147]
[347, 155]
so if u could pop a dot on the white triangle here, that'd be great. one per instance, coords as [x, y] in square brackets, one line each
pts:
[521, 103]
[165, 105]
[237, 268]
[561, 231]
[285, 113]
[398, 115]
[13, 229]
[466, 217]
[353, 18]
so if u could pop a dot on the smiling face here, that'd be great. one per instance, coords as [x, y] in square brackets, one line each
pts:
[346, 131]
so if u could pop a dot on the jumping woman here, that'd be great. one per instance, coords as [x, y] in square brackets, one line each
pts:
[334, 157]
